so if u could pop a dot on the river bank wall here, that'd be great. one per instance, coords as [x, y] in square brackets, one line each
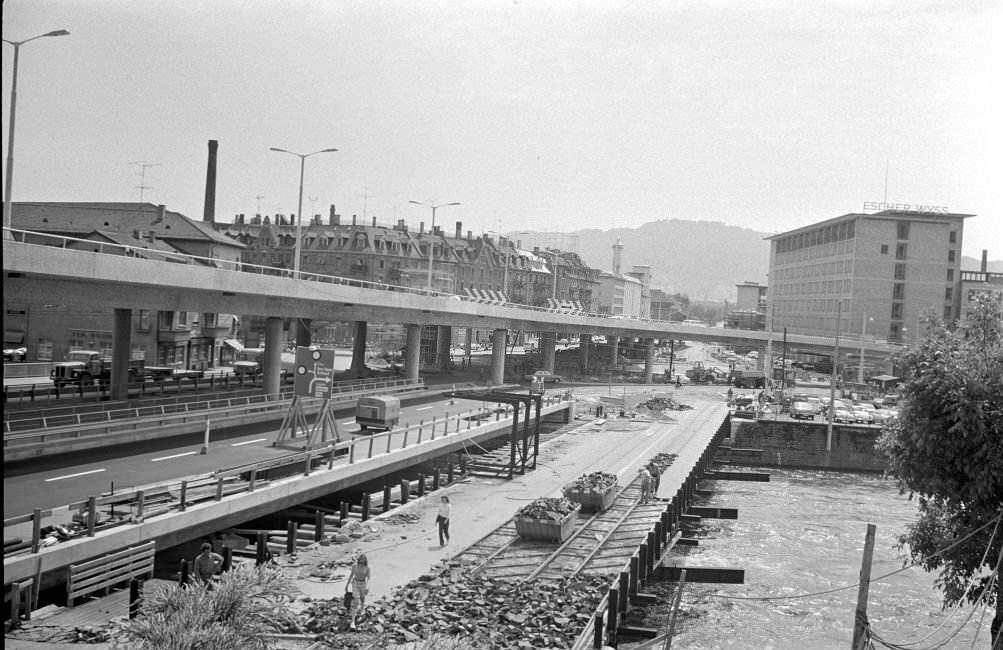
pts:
[786, 443]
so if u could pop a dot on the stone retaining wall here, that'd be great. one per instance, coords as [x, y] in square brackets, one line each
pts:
[786, 443]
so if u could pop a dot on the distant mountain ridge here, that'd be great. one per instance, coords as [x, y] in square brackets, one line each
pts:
[702, 259]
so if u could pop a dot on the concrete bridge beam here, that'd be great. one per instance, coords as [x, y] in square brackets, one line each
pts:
[649, 360]
[498, 345]
[548, 345]
[444, 342]
[412, 360]
[272, 368]
[121, 352]
[358, 367]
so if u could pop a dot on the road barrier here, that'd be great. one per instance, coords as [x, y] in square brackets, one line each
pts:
[101, 513]
[62, 434]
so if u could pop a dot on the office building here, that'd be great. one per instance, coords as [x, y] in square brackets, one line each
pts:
[879, 272]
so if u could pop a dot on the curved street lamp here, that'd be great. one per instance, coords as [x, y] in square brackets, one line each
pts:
[9, 179]
[431, 245]
[298, 249]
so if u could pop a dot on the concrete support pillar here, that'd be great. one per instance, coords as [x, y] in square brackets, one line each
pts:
[498, 356]
[649, 360]
[470, 341]
[121, 350]
[358, 367]
[273, 355]
[614, 351]
[548, 345]
[304, 337]
[444, 342]
[412, 360]
[584, 345]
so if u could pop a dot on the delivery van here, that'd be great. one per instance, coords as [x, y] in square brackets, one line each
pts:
[380, 412]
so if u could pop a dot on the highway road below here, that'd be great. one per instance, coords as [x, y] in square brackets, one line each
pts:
[55, 482]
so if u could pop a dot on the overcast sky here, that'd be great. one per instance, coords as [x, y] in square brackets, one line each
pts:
[544, 115]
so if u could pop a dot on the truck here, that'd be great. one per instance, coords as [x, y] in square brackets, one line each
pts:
[749, 379]
[378, 412]
[85, 367]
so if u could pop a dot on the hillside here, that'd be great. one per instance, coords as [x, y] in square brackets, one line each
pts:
[702, 259]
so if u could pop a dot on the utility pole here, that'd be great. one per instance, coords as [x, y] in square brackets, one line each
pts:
[832, 378]
[860, 615]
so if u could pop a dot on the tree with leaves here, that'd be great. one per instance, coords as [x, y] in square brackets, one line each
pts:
[946, 449]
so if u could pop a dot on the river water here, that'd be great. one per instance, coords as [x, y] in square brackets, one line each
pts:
[803, 533]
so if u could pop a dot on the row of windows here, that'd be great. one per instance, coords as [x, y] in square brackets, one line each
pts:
[834, 267]
[808, 305]
[816, 236]
[821, 286]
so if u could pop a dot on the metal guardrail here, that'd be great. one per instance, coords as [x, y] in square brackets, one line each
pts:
[24, 370]
[136, 419]
[136, 505]
[76, 417]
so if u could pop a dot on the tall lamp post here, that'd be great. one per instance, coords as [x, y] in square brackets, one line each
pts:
[431, 244]
[9, 178]
[298, 249]
[863, 333]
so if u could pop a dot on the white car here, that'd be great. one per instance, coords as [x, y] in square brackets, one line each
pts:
[864, 413]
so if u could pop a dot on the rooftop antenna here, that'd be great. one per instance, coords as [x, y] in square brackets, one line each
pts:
[259, 197]
[142, 187]
[886, 182]
[365, 201]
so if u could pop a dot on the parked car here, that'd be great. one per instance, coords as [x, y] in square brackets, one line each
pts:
[803, 411]
[864, 413]
[884, 416]
[246, 368]
[546, 376]
[15, 354]
[843, 415]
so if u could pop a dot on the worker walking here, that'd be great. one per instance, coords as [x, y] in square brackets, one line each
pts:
[645, 485]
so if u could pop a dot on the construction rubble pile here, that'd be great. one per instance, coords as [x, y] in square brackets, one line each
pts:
[490, 613]
[660, 404]
[548, 509]
[594, 482]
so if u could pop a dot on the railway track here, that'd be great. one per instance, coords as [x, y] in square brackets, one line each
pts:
[600, 543]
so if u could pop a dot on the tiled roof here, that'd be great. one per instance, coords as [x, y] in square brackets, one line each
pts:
[83, 218]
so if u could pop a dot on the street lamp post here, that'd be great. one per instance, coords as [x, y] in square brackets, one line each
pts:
[9, 177]
[298, 249]
[431, 243]
[863, 333]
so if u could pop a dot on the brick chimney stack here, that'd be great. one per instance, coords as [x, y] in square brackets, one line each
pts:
[459, 230]
[209, 208]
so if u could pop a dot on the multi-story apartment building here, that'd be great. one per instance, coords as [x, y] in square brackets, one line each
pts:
[750, 307]
[185, 340]
[880, 273]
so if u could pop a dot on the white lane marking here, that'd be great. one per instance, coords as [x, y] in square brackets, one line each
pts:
[424, 408]
[248, 442]
[60, 478]
[187, 453]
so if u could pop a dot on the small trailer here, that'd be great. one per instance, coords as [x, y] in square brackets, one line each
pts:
[380, 412]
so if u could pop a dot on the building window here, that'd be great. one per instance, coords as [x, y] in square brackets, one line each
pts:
[182, 318]
[895, 332]
[950, 275]
[953, 237]
[166, 320]
[947, 314]
[144, 321]
[884, 249]
[903, 230]
[901, 250]
[948, 293]
[896, 311]
[951, 255]
[899, 271]
[898, 291]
